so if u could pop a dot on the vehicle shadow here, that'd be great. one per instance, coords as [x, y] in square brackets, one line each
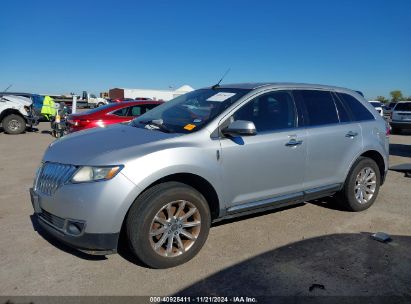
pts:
[62, 246]
[331, 265]
[124, 251]
[46, 132]
[400, 150]
[329, 202]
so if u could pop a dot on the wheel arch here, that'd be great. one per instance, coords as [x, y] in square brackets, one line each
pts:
[197, 182]
[374, 155]
[379, 159]
[8, 112]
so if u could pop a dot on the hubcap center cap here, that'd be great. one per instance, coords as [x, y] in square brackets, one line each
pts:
[174, 227]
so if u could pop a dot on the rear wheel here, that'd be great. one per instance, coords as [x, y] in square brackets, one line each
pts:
[362, 185]
[14, 124]
[168, 225]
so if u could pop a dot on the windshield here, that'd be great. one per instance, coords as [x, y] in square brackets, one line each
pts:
[189, 112]
[403, 106]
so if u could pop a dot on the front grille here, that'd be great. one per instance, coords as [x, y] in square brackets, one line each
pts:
[52, 176]
[54, 220]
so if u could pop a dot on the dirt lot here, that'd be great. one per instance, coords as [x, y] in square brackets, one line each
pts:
[278, 253]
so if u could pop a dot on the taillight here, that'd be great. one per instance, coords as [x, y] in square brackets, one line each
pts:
[79, 122]
[387, 130]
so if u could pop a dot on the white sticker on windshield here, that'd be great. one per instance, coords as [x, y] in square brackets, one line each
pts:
[220, 96]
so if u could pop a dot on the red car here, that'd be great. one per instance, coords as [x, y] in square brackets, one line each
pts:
[109, 114]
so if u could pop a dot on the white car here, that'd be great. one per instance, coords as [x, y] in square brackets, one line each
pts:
[378, 106]
[15, 113]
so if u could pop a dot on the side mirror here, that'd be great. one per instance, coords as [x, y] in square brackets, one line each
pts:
[240, 128]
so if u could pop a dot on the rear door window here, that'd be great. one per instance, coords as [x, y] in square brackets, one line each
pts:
[136, 111]
[148, 107]
[122, 112]
[357, 109]
[320, 107]
[343, 112]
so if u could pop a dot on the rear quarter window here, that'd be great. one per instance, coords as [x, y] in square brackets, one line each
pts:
[358, 111]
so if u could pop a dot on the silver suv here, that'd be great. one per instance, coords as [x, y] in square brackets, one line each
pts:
[208, 155]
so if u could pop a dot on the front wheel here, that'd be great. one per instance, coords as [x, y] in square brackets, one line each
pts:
[361, 186]
[14, 124]
[168, 225]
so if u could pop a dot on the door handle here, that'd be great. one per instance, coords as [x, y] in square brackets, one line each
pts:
[351, 134]
[293, 142]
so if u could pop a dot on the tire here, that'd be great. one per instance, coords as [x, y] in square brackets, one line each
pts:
[14, 124]
[140, 222]
[100, 104]
[347, 196]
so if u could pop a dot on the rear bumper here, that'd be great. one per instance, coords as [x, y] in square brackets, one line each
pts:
[400, 124]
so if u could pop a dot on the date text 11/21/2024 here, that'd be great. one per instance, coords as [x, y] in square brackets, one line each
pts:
[200, 299]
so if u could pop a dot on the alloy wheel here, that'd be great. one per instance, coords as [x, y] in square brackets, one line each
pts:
[365, 185]
[175, 228]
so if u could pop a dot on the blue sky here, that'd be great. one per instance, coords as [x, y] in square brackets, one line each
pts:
[69, 46]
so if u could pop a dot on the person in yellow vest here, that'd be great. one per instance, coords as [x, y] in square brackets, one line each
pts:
[48, 109]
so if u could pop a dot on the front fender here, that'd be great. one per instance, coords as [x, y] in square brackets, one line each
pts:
[149, 168]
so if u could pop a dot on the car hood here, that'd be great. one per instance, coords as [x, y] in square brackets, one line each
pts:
[103, 146]
[18, 100]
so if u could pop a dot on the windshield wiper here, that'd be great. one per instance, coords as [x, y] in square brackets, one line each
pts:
[156, 124]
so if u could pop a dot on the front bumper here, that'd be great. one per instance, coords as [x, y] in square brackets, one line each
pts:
[57, 227]
[92, 243]
[97, 209]
[401, 124]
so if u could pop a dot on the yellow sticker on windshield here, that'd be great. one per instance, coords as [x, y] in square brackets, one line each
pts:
[189, 127]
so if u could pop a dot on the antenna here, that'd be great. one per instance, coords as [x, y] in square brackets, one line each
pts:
[8, 88]
[218, 83]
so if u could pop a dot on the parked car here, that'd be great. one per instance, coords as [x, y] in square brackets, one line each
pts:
[109, 114]
[388, 109]
[37, 102]
[378, 106]
[16, 113]
[401, 117]
[211, 154]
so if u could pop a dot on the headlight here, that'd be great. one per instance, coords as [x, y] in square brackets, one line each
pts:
[92, 174]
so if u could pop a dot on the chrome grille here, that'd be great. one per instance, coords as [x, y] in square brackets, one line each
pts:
[52, 176]
[54, 220]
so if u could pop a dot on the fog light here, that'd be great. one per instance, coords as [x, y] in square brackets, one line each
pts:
[74, 228]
